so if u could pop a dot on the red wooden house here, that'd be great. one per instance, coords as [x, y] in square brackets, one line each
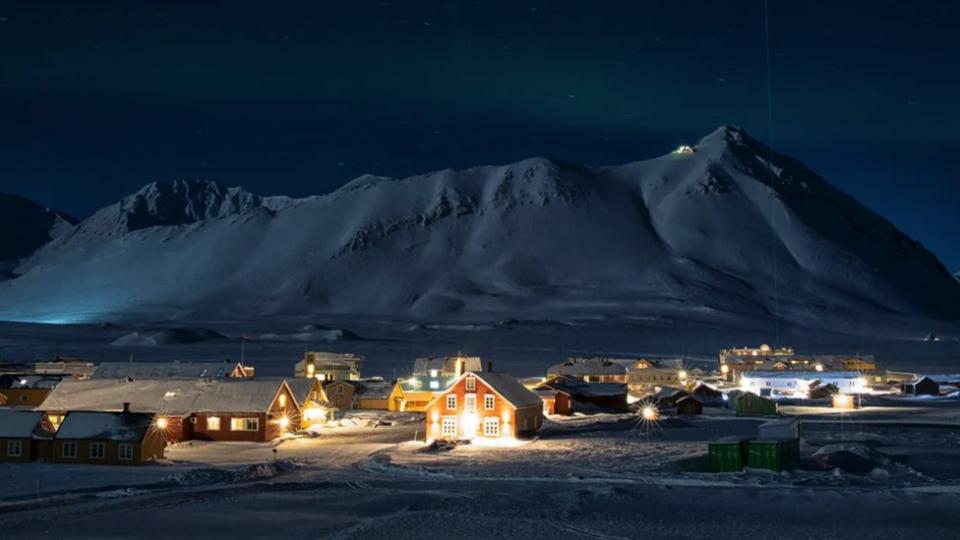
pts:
[484, 404]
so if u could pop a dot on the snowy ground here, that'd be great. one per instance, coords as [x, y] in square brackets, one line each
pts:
[587, 477]
[889, 470]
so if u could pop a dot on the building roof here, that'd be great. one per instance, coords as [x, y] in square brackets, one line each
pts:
[105, 426]
[12, 381]
[21, 424]
[509, 388]
[373, 389]
[167, 396]
[579, 367]
[579, 388]
[446, 364]
[163, 370]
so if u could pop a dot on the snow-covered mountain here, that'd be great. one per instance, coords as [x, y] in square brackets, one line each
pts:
[25, 226]
[721, 227]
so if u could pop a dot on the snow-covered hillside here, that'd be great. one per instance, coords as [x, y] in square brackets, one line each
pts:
[25, 226]
[720, 229]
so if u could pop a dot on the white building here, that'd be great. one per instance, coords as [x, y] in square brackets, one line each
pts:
[798, 383]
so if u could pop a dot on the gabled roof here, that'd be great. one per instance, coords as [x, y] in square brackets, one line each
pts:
[105, 426]
[167, 396]
[22, 424]
[163, 370]
[579, 367]
[299, 386]
[503, 384]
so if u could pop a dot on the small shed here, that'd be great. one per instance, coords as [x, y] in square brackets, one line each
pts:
[823, 391]
[689, 406]
[924, 386]
[750, 404]
[707, 394]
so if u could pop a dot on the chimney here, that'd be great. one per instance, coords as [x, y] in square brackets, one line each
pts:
[126, 408]
[458, 369]
[490, 366]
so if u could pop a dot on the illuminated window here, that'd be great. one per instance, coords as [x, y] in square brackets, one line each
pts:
[244, 424]
[449, 427]
[213, 423]
[471, 384]
[69, 449]
[283, 400]
[491, 427]
[434, 385]
[452, 401]
[125, 452]
[433, 373]
[489, 402]
[14, 449]
[97, 450]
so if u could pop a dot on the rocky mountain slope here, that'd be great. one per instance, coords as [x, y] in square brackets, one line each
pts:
[722, 228]
[25, 226]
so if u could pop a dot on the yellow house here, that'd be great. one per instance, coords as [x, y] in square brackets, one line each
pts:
[431, 377]
[405, 398]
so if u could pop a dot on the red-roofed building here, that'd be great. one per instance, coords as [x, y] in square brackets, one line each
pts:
[484, 404]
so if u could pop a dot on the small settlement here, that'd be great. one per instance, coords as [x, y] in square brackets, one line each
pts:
[125, 413]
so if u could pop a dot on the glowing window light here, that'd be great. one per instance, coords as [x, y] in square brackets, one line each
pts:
[310, 370]
[724, 369]
[505, 417]
[843, 401]
[161, 423]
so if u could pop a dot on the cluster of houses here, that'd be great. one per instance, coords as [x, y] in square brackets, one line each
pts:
[68, 410]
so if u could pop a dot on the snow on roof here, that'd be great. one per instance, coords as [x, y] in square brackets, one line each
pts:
[300, 386]
[373, 389]
[800, 375]
[578, 387]
[19, 424]
[160, 370]
[446, 363]
[167, 396]
[509, 388]
[107, 426]
[29, 381]
[579, 367]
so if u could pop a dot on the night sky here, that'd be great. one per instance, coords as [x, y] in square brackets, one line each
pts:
[99, 98]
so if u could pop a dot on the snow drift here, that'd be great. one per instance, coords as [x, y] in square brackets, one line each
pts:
[722, 229]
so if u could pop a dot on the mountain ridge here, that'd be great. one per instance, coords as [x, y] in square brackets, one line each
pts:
[720, 227]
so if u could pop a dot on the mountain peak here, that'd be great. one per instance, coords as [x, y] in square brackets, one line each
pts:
[175, 202]
[28, 225]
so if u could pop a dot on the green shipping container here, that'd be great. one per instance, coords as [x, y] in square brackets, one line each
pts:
[728, 454]
[773, 455]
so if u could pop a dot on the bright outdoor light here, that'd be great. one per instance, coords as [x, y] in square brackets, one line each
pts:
[161, 423]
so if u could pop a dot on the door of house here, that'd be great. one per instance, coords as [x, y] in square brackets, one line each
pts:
[470, 403]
